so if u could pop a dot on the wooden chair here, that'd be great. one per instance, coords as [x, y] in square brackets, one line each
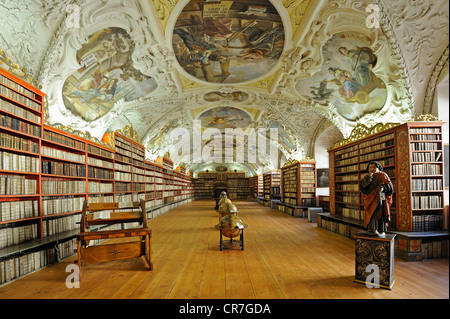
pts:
[106, 214]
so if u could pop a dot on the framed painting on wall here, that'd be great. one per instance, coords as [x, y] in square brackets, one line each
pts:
[323, 177]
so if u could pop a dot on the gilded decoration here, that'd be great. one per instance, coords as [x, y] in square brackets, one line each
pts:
[362, 131]
[15, 68]
[290, 162]
[130, 133]
[425, 118]
[403, 191]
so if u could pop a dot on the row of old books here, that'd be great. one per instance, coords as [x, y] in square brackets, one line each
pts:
[64, 140]
[339, 228]
[100, 151]
[426, 223]
[15, 86]
[18, 143]
[21, 265]
[5, 91]
[61, 204]
[100, 173]
[10, 236]
[20, 126]
[426, 201]
[427, 156]
[63, 168]
[18, 163]
[26, 263]
[61, 186]
[59, 225]
[53, 152]
[18, 210]
[435, 249]
[17, 185]
[426, 184]
[98, 187]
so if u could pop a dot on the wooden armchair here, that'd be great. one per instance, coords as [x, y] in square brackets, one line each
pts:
[107, 214]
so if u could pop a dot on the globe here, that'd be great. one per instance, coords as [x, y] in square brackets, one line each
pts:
[223, 205]
[231, 225]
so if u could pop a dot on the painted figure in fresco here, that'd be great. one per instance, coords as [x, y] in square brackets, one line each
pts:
[348, 85]
[362, 61]
[377, 190]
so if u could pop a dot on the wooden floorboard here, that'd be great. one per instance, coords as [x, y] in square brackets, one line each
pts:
[284, 258]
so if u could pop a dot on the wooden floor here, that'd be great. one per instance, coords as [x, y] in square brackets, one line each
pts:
[284, 257]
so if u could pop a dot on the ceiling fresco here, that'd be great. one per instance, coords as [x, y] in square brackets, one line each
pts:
[346, 79]
[106, 76]
[228, 41]
[161, 67]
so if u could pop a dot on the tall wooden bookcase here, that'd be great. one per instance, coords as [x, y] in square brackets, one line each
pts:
[298, 183]
[237, 185]
[412, 155]
[46, 173]
[21, 118]
[272, 184]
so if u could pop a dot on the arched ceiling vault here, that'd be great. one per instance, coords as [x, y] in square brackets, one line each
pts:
[173, 69]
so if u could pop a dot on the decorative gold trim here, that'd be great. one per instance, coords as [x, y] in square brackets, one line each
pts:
[425, 118]
[362, 131]
[308, 160]
[130, 133]
[16, 69]
[290, 162]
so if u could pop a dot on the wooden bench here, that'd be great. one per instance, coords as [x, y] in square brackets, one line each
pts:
[96, 214]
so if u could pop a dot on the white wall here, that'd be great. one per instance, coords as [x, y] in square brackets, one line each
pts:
[326, 140]
[442, 98]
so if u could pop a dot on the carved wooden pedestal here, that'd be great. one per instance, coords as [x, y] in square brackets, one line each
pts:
[374, 255]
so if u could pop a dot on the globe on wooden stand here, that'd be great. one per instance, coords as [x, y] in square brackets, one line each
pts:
[231, 226]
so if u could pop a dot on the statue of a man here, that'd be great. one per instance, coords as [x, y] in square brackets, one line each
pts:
[377, 190]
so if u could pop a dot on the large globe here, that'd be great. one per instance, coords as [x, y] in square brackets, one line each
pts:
[224, 205]
[231, 226]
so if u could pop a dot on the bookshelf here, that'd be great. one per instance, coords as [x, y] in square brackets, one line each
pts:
[272, 184]
[46, 173]
[412, 156]
[204, 185]
[324, 202]
[237, 185]
[21, 112]
[298, 184]
[260, 186]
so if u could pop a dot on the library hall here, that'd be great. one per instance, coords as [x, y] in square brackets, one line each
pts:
[224, 155]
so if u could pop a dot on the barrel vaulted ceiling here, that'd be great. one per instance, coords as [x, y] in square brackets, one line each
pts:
[167, 67]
